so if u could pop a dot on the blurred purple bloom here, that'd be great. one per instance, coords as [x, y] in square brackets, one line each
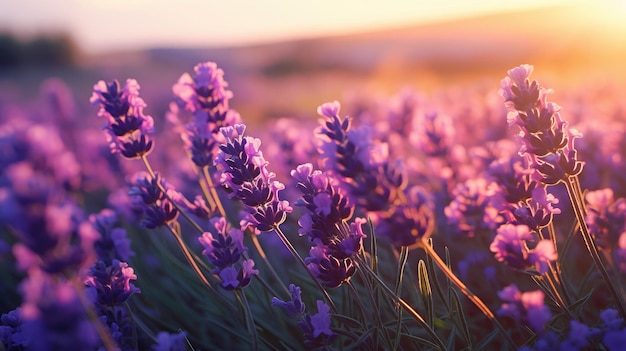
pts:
[53, 316]
[606, 217]
[11, 335]
[433, 135]
[206, 97]
[113, 242]
[170, 342]
[514, 178]
[615, 340]
[526, 308]
[471, 212]
[510, 246]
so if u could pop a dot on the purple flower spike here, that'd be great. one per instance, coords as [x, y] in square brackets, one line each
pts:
[316, 327]
[112, 283]
[527, 308]
[510, 246]
[295, 307]
[544, 135]
[330, 270]
[246, 177]
[126, 126]
[157, 208]
[223, 246]
[204, 95]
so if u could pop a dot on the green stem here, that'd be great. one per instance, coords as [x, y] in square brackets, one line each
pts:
[359, 303]
[216, 198]
[293, 251]
[590, 243]
[192, 262]
[404, 304]
[470, 295]
[379, 321]
[404, 256]
[261, 252]
[241, 296]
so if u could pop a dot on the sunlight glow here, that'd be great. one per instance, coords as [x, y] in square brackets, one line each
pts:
[116, 24]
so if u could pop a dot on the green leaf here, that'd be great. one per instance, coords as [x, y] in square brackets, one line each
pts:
[460, 316]
[485, 344]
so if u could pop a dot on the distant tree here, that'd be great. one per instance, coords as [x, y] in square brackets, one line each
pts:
[10, 51]
[43, 50]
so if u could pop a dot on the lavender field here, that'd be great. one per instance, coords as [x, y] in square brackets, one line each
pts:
[359, 203]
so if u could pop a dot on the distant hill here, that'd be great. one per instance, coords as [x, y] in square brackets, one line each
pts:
[569, 34]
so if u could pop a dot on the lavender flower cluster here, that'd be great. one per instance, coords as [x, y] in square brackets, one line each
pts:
[391, 220]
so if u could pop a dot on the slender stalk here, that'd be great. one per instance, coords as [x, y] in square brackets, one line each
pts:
[376, 314]
[556, 273]
[403, 303]
[590, 243]
[194, 266]
[241, 296]
[209, 180]
[404, 255]
[359, 303]
[293, 251]
[470, 295]
[261, 252]
[559, 298]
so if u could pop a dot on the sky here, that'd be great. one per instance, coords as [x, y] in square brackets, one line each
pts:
[106, 25]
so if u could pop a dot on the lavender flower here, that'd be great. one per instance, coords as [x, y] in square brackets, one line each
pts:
[472, 212]
[170, 342]
[113, 242]
[224, 248]
[147, 194]
[538, 211]
[527, 307]
[206, 97]
[11, 335]
[112, 282]
[325, 223]
[545, 136]
[510, 246]
[53, 316]
[126, 125]
[606, 217]
[351, 156]
[293, 308]
[316, 327]
[246, 177]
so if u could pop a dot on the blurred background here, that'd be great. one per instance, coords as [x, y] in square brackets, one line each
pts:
[284, 58]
